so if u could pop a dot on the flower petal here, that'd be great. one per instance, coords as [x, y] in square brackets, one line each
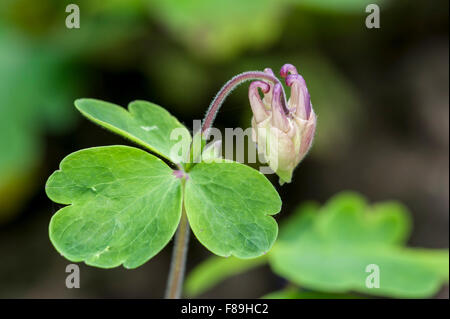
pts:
[299, 101]
[258, 108]
[279, 118]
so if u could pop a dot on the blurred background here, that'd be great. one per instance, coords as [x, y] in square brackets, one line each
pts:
[381, 96]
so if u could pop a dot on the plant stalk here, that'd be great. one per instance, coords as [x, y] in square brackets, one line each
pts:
[230, 86]
[178, 262]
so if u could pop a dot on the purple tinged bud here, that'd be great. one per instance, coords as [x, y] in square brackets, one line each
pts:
[284, 136]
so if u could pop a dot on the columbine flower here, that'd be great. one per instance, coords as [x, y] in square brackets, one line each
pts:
[283, 133]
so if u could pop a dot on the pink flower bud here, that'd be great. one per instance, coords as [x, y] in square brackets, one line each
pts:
[283, 133]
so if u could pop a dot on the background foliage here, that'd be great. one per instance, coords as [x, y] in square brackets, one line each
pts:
[324, 251]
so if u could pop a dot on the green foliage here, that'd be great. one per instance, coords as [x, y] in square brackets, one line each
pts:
[42, 77]
[204, 25]
[327, 249]
[344, 237]
[227, 204]
[213, 28]
[146, 124]
[124, 204]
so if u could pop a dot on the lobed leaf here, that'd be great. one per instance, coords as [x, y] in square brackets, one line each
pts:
[228, 206]
[145, 123]
[124, 205]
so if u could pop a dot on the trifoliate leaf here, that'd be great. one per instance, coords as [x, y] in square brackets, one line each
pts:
[145, 123]
[124, 205]
[228, 206]
[335, 246]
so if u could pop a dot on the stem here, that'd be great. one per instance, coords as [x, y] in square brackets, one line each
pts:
[230, 86]
[178, 263]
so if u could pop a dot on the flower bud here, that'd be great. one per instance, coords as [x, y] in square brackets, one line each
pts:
[282, 131]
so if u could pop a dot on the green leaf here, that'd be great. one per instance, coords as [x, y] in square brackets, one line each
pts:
[347, 219]
[145, 123]
[124, 206]
[299, 222]
[335, 245]
[437, 259]
[216, 269]
[227, 205]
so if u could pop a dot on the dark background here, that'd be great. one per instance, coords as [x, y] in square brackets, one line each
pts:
[381, 96]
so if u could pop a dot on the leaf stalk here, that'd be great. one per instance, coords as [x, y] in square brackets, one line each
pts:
[178, 262]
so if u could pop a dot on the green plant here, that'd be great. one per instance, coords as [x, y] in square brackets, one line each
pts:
[323, 252]
[125, 204]
[45, 75]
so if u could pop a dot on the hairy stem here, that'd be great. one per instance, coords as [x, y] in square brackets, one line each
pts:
[230, 86]
[178, 263]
